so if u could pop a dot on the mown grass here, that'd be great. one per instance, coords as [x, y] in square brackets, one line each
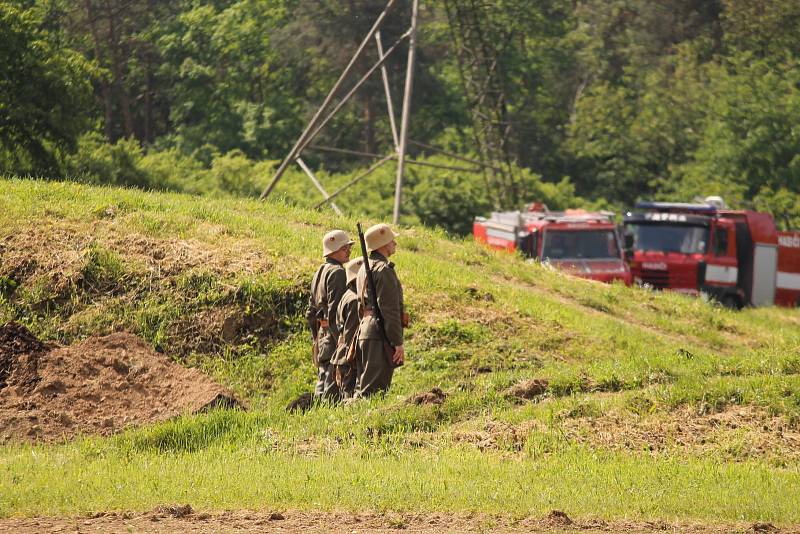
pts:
[221, 285]
[155, 468]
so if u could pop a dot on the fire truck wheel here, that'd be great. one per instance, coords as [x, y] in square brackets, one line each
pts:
[731, 302]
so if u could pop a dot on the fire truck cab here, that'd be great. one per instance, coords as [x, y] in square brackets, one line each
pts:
[582, 243]
[737, 257]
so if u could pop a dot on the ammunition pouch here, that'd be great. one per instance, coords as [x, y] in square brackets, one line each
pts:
[406, 320]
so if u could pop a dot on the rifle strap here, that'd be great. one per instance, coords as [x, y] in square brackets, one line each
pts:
[351, 351]
[362, 294]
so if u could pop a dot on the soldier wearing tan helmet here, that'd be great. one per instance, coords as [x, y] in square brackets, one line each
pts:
[377, 360]
[347, 320]
[327, 288]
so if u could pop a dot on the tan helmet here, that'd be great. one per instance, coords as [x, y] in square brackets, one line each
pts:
[335, 240]
[379, 235]
[352, 267]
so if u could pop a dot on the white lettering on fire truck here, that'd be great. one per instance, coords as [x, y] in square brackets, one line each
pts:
[670, 217]
[789, 241]
[654, 265]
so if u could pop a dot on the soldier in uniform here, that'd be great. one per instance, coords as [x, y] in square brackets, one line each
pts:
[377, 357]
[347, 321]
[327, 288]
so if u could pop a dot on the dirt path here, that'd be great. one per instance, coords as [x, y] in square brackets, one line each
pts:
[183, 519]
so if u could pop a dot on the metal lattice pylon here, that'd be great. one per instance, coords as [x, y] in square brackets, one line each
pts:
[322, 117]
[479, 44]
[328, 110]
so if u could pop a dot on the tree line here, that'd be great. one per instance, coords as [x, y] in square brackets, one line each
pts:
[604, 101]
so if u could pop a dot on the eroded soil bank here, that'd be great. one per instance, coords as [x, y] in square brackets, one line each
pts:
[176, 519]
[98, 386]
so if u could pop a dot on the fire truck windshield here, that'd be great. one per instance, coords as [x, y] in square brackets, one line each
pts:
[682, 238]
[584, 244]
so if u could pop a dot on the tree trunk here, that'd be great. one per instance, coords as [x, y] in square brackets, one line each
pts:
[118, 68]
[105, 86]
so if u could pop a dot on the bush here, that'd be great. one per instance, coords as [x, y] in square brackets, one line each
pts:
[171, 170]
[235, 174]
[99, 162]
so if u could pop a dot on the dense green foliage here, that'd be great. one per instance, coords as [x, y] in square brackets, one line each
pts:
[628, 99]
[44, 91]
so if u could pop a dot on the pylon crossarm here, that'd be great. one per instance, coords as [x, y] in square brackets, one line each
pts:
[388, 92]
[442, 166]
[454, 155]
[358, 178]
[318, 185]
[336, 150]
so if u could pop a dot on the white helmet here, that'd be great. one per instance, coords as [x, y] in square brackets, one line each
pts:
[335, 240]
[352, 267]
[379, 235]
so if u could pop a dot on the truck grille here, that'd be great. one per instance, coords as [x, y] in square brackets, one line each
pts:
[657, 279]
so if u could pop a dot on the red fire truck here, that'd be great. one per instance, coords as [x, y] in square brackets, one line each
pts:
[582, 243]
[737, 257]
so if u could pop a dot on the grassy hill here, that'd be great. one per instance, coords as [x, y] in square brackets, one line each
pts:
[642, 405]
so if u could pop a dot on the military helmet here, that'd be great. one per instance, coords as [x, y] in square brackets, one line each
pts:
[352, 267]
[379, 235]
[335, 240]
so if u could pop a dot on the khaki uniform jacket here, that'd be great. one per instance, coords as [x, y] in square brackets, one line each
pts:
[347, 321]
[390, 301]
[327, 288]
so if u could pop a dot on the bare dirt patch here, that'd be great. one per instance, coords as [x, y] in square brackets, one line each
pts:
[499, 435]
[165, 520]
[528, 389]
[19, 357]
[98, 386]
[302, 403]
[434, 396]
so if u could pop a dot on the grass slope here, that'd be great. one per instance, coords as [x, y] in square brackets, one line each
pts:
[656, 406]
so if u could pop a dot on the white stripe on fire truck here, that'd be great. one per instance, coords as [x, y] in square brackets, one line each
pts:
[721, 274]
[506, 235]
[788, 281]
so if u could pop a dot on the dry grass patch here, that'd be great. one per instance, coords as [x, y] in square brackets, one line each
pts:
[737, 433]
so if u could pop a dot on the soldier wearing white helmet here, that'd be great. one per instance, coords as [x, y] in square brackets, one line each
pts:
[347, 320]
[327, 288]
[377, 357]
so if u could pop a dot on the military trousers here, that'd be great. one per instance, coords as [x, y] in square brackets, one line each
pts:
[375, 371]
[326, 388]
[346, 380]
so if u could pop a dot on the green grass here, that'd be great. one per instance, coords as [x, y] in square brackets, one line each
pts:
[221, 284]
[580, 482]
